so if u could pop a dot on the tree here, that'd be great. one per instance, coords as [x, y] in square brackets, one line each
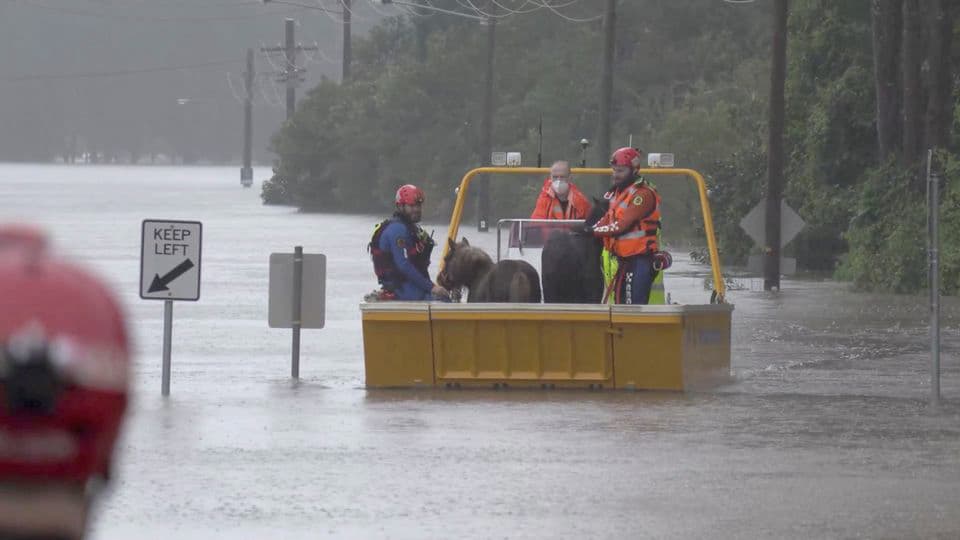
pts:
[938, 81]
[912, 97]
[886, 64]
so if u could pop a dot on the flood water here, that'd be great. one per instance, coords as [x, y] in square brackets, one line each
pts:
[824, 432]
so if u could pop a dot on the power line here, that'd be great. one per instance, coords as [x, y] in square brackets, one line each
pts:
[121, 73]
[556, 12]
[474, 12]
[150, 18]
[353, 12]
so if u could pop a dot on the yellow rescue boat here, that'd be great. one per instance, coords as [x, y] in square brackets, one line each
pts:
[461, 345]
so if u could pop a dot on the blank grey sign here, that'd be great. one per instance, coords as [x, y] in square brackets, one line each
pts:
[313, 302]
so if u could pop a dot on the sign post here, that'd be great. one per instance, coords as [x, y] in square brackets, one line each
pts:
[297, 299]
[297, 295]
[933, 257]
[170, 270]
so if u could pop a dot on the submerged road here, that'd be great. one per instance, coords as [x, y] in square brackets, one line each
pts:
[824, 431]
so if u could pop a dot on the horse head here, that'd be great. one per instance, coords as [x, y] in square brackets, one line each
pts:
[447, 278]
[597, 211]
[462, 264]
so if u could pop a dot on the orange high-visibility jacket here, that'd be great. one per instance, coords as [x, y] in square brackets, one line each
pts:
[549, 207]
[630, 226]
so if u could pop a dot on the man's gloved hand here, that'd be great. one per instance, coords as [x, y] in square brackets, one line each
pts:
[662, 260]
[586, 229]
[440, 292]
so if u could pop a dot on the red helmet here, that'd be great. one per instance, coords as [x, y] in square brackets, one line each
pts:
[627, 157]
[64, 369]
[17, 236]
[409, 194]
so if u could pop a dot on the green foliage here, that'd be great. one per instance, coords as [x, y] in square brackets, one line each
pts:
[950, 226]
[735, 187]
[888, 236]
[412, 112]
[830, 130]
[696, 86]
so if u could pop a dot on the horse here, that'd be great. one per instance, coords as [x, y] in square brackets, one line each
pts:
[505, 281]
[570, 263]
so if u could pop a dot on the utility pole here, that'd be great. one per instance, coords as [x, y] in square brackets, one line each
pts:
[775, 152]
[486, 126]
[606, 82]
[246, 173]
[291, 76]
[347, 16]
[291, 68]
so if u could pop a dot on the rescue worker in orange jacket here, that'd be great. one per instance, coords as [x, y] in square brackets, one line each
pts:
[629, 229]
[560, 198]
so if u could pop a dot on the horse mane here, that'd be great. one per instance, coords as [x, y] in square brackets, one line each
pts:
[570, 262]
[597, 211]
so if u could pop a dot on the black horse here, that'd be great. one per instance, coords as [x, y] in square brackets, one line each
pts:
[570, 263]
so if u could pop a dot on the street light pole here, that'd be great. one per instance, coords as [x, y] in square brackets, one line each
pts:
[291, 68]
[347, 54]
[246, 173]
[486, 129]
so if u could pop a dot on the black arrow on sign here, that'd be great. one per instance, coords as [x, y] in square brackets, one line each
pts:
[160, 283]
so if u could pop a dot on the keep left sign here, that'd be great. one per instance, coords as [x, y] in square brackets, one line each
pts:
[170, 260]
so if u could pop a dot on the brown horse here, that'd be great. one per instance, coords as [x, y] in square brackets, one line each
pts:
[505, 281]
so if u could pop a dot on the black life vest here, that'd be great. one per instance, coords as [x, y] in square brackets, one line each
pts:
[388, 275]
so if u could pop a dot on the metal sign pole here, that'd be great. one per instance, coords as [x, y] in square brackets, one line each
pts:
[933, 249]
[167, 335]
[297, 298]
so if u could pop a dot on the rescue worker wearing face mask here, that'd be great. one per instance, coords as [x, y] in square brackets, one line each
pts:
[64, 384]
[560, 198]
[401, 250]
[630, 230]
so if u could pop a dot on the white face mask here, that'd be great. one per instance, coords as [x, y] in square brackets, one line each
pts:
[560, 187]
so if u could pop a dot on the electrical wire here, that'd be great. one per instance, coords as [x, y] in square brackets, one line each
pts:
[373, 5]
[311, 59]
[120, 73]
[471, 6]
[237, 97]
[519, 10]
[266, 99]
[327, 12]
[353, 14]
[553, 8]
[269, 56]
[153, 19]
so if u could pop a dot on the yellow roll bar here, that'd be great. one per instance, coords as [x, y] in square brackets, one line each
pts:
[718, 283]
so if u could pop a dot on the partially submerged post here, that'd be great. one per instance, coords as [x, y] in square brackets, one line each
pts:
[933, 256]
[297, 296]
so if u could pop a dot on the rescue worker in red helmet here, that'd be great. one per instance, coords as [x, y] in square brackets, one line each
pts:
[401, 250]
[560, 198]
[629, 228]
[64, 377]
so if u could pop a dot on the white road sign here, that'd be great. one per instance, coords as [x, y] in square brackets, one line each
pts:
[170, 260]
[754, 224]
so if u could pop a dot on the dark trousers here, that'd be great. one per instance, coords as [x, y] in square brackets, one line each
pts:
[636, 277]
